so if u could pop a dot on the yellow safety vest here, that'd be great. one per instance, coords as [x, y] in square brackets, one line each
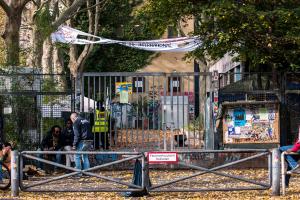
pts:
[101, 122]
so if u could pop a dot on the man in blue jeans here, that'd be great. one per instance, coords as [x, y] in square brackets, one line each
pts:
[83, 139]
[292, 160]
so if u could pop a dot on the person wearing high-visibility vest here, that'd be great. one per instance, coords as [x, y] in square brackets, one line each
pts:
[101, 127]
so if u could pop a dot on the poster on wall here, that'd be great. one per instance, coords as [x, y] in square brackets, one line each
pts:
[123, 87]
[251, 124]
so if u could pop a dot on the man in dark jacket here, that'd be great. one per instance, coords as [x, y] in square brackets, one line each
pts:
[83, 139]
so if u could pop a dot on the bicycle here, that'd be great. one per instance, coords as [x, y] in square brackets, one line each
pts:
[5, 183]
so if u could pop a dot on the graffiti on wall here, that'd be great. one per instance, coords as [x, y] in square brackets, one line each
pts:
[251, 124]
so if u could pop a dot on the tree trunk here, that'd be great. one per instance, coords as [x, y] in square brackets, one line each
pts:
[47, 57]
[37, 48]
[11, 38]
[58, 67]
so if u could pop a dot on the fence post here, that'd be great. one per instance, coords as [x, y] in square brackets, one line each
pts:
[15, 173]
[275, 172]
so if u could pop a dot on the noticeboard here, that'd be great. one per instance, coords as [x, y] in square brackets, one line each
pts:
[251, 123]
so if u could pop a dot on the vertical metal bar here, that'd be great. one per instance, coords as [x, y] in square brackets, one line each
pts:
[126, 107]
[204, 118]
[172, 113]
[109, 100]
[199, 104]
[210, 120]
[188, 119]
[143, 136]
[89, 93]
[153, 104]
[94, 92]
[94, 107]
[99, 99]
[110, 123]
[148, 111]
[283, 172]
[276, 172]
[270, 168]
[164, 107]
[132, 115]
[104, 100]
[82, 93]
[15, 174]
[137, 112]
[183, 113]
[177, 111]
[158, 115]
[21, 169]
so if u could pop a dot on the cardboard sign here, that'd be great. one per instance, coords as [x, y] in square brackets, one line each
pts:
[162, 157]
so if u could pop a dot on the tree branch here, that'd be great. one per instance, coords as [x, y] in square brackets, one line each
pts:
[93, 27]
[6, 8]
[67, 14]
[24, 2]
[97, 4]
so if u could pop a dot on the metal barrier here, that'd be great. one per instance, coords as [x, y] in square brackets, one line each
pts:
[129, 156]
[273, 179]
[205, 170]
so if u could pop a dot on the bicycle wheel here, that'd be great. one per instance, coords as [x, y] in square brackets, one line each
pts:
[5, 183]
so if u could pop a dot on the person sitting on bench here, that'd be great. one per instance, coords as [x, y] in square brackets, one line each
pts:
[292, 160]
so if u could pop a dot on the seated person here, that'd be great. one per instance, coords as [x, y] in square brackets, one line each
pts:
[53, 142]
[292, 160]
[5, 157]
[68, 137]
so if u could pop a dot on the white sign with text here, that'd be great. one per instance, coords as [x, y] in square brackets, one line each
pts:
[162, 157]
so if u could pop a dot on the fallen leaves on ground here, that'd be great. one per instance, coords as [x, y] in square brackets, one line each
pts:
[161, 176]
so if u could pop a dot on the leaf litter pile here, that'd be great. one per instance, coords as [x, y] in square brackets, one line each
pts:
[207, 181]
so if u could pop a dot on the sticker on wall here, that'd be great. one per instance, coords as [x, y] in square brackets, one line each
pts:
[271, 116]
[239, 117]
[231, 130]
[263, 113]
[249, 115]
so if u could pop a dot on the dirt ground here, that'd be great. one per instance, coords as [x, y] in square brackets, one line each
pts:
[157, 177]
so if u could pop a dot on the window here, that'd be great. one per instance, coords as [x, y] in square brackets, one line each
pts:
[231, 76]
[138, 84]
[174, 83]
[172, 32]
[238, 75]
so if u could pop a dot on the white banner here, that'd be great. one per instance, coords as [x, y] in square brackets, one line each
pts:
[66, 34]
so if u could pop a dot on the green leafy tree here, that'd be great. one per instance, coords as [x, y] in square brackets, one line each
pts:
[117, 22]
[265, 34]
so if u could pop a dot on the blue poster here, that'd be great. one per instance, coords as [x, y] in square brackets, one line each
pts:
[231, 130]
[239, 116]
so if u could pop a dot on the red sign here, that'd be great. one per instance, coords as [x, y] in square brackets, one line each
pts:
[162, 157]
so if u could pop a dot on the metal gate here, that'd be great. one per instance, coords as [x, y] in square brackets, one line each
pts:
[31, 104]
[151, 110]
